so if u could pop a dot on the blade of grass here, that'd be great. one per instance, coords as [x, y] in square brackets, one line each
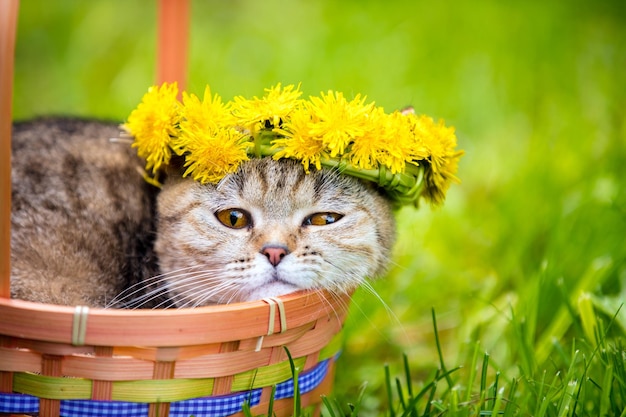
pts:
[356, 408]
[245, 409]
[497, 402]
[330, 406]
[453, 408]
[540, 394]
[400, 394]
[297, 400]
[509, 408]
[483, 382]
[595, 274]
[430, 388]
[439, 352]
[472, 376]
[270, 406]
[392, 413]
[605, 396]
[409, 383]
[431, 395]
[543, 407]
[566, 399]
[495, 385]
[407, 375]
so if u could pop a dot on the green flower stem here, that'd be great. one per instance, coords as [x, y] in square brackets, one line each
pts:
[403, 187]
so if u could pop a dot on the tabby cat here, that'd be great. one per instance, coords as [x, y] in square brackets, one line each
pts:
[88, 230]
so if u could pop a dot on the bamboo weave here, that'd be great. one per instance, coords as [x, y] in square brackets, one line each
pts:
[163, 356]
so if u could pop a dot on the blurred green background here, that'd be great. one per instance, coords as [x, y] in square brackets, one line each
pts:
[535, 89]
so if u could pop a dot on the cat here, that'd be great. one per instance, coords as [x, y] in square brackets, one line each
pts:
[88, 230]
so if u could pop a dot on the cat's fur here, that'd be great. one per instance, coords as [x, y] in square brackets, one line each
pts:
[85, 226]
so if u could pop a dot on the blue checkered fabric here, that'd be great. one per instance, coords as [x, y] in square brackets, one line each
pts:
[218, 406]
[18, 404]
[221, 406]
[89, 408]
[307, 381]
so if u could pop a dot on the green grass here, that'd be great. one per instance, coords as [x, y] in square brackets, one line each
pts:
[528, 252]
[580, 379]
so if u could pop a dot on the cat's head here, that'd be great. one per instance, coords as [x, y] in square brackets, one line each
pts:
[269, 229]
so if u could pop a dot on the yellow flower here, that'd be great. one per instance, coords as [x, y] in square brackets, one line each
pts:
[297, 142]
[336, 121]
[366, 150]
[405, 145]
[153, 123]
[389, 141]
[212, 147]
[211, 111]
[211, 153]
[274, 107]
[440, 142]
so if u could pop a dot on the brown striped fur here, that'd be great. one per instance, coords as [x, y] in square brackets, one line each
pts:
[81, 223]
[86, 229]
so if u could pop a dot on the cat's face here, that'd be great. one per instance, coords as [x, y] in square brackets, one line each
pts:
[268, 230]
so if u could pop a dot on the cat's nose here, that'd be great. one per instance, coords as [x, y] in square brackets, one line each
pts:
[274, 253]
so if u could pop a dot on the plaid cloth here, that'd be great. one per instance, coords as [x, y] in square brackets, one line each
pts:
[18, 403]
[79, 408]
[215, 406]
[307, 381]
[218, 406]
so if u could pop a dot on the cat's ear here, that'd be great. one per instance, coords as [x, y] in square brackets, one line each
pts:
[174, 169]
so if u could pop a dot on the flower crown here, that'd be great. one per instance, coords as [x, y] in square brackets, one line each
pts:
[408, 155]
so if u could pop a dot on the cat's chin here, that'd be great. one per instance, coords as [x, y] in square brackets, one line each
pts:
[272, 289]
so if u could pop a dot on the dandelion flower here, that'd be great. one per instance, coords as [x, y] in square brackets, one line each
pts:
[367, 149]
[211, 153]
[153, 123]
[336, 121]
[440, 142]
[211, 111]
[297, 142]
[274, 107]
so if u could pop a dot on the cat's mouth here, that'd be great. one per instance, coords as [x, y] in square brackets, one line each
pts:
[274, 286]
[276, 278]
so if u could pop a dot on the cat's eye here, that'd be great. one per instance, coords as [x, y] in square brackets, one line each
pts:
[234, 218]
[322, 219]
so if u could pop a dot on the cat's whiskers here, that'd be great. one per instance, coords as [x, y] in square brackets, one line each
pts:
[367, 286]
[195, 297]
[344, 282]
[135, 289]
[166, 282]
[337, 296]
[203, 287]
[127, 297]
[341, 282]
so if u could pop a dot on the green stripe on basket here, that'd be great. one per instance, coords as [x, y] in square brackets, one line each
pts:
[161, 390]
[146, 391]
[50, 387]
[265, 376]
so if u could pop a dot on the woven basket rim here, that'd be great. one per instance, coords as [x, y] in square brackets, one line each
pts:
[166, 327]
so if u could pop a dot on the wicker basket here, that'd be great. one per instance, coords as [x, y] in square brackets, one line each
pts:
[83, 362]
[205, 361]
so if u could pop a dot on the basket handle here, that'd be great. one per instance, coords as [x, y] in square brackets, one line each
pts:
[8, 26]
[173, 42]
[171, 66]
